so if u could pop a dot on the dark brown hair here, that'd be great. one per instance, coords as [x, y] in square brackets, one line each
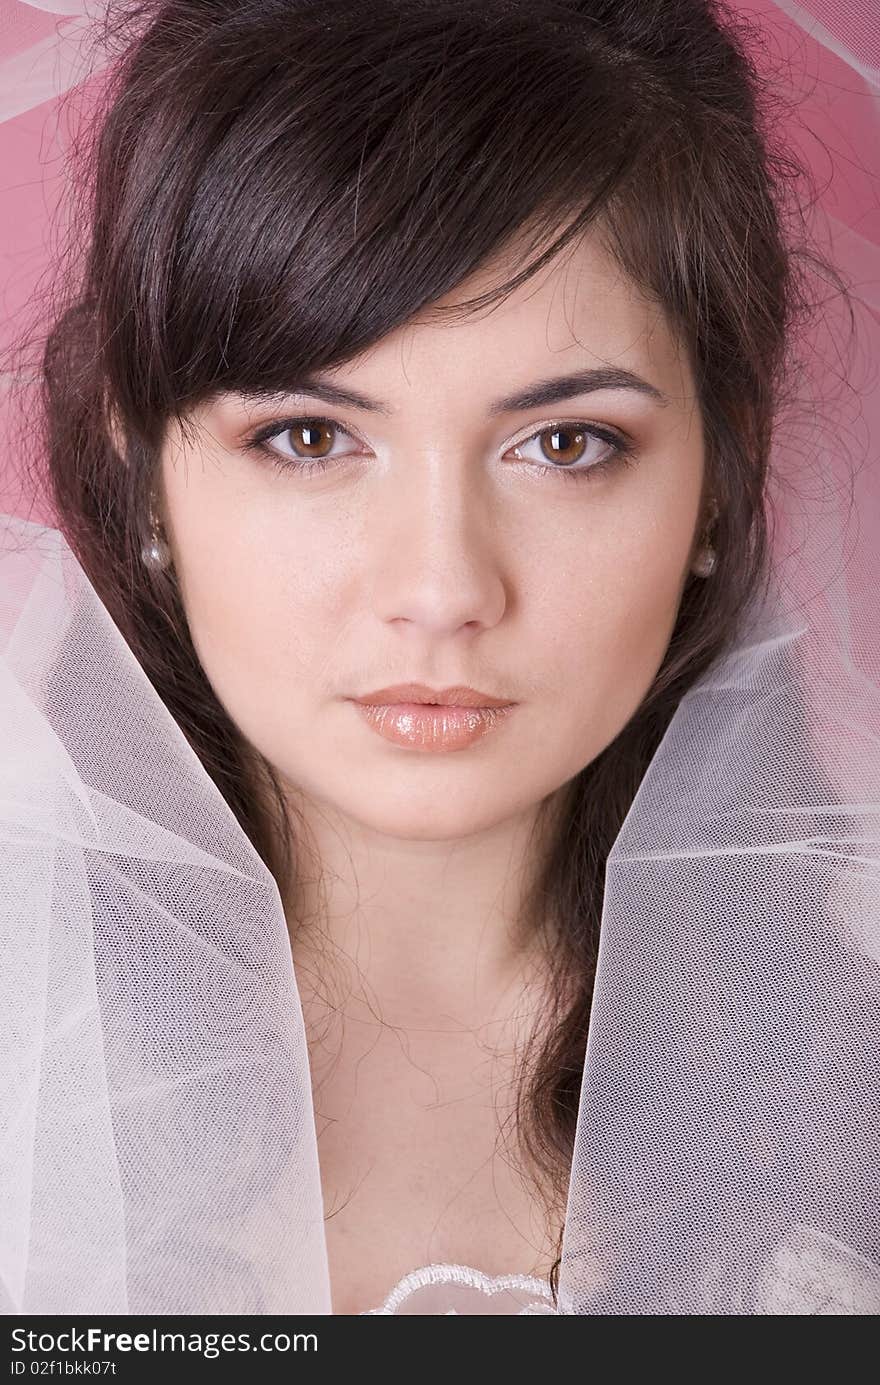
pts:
[270, 187]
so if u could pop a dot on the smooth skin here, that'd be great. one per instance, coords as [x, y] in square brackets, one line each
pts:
[432, 552]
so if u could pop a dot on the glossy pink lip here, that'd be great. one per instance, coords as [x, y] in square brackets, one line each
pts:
[457, 696]
[420, 727]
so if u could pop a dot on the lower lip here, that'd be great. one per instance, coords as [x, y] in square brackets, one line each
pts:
[423, 727]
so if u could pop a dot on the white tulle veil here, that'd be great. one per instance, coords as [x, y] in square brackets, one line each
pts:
[158, 1150]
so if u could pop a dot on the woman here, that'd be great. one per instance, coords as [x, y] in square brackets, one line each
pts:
[436, 346]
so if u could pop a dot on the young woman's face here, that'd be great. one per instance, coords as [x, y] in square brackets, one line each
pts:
[457, 536]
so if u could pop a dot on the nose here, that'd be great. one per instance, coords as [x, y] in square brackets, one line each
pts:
[437, 562]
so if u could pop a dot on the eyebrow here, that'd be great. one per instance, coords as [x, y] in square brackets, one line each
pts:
[536, 396]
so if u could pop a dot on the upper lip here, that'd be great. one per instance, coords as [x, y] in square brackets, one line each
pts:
[457, 696]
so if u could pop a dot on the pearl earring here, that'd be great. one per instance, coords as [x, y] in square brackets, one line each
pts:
[156, 553]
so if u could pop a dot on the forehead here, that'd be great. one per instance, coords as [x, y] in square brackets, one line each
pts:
[579, 309]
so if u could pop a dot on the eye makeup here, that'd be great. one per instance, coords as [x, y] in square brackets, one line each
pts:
[621, 450]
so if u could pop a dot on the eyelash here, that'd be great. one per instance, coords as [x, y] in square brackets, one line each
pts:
[622, 453]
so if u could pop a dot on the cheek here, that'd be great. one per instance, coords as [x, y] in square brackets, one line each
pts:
[608, 629]
[276, 613]
[258, 601]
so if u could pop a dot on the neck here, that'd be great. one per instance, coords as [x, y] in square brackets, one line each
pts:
[426, 927]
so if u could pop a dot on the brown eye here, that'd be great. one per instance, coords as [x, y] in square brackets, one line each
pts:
[565, 445]
[303, 439]
[310, 437]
